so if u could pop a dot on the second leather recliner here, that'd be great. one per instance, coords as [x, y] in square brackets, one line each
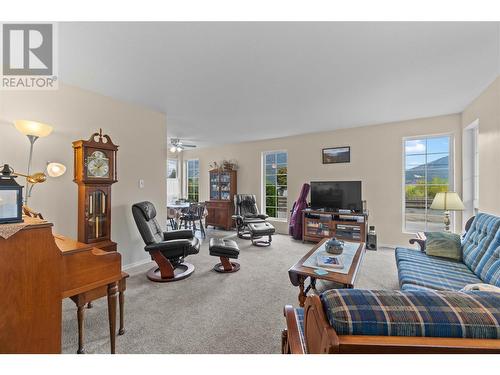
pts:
[246, 212]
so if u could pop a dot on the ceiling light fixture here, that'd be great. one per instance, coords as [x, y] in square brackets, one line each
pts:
[178, 146]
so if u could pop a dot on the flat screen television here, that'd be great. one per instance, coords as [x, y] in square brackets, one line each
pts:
[336, 195]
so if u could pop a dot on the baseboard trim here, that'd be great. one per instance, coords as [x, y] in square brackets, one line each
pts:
[387, 245]
[136, 264]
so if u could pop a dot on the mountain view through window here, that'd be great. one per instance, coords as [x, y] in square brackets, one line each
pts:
[427, 172]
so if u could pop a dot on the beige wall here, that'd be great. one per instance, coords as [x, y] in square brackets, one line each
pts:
[486, 109]
[76, 114]
[376, 160]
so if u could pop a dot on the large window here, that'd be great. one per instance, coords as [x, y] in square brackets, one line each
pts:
[173, 188]
[427, 170]
[275, 170]
[193, 180]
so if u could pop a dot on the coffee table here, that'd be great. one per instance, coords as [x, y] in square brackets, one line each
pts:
[298, 273]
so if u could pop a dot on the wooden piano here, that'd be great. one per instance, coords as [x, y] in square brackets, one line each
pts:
[39, 269]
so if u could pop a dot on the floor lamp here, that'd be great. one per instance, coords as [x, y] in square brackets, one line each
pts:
[34, 130]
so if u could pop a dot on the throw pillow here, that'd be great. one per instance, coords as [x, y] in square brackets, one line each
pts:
[444, 245]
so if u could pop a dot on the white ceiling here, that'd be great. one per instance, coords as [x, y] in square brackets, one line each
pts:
[232, 82]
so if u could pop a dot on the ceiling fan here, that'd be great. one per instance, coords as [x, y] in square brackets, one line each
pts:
[176, 145]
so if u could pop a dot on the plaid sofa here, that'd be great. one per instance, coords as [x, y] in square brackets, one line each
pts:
[416, 313]
[480, 264]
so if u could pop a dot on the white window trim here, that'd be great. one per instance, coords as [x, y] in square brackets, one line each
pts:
[263, 184]
[403, 170]
[470, 169]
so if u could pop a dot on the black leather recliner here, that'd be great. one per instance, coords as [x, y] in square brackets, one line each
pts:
[246, 212]
[167, 249]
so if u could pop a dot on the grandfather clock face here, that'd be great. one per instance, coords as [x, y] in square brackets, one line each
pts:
[97, 164]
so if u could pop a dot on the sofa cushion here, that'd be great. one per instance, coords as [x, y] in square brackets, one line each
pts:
[403, 253]
[435, 273]
[444, 245]
[413, 313]
[483, 230]
[488, 268]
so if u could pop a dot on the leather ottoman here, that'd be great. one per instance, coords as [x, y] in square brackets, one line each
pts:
[224, 249]
[259, 230]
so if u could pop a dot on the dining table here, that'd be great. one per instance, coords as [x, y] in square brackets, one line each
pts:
[175, 210]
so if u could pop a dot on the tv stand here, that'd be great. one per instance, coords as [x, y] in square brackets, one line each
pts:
[319, 224]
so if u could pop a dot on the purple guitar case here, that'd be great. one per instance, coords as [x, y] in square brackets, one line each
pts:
[295, 226]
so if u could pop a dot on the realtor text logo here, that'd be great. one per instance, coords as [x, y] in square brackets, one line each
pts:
[28, 56]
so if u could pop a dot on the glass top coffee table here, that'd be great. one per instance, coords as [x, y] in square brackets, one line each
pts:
[342, 278]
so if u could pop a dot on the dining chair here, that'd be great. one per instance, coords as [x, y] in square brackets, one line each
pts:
[195, 213]
[172, 218]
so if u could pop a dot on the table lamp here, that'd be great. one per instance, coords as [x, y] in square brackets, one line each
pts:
[447, 201]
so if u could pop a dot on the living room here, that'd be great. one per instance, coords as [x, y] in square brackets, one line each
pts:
[249, 188]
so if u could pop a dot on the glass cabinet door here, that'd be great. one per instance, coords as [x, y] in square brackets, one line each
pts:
[96, 214]
[225, 185]
[214, 186]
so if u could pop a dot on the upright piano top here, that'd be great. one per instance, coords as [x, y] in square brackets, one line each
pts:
[69, 245]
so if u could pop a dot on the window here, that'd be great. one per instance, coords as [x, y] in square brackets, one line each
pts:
[427, 171]
[172, 168]
[193, 180]
[275, 170]
[173, 188]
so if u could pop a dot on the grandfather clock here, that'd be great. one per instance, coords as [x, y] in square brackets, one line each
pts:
[95, 172]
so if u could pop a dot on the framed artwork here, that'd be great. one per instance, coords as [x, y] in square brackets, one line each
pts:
[337, 155]
[172, 168]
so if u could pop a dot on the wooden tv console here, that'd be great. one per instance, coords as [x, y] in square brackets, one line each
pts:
[319, 224]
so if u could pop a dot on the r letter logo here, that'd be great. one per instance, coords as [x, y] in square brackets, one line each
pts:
[28, 57]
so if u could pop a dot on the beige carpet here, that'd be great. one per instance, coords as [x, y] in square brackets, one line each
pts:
[211, 312]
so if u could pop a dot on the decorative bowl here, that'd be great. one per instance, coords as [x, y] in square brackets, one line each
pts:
[334, 246]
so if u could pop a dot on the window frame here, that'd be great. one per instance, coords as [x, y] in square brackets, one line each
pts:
[476, 170]
[263, 184]
[470, 170]
[186, 177]
[451, 175]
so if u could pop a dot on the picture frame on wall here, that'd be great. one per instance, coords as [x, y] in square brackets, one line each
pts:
[334, 155]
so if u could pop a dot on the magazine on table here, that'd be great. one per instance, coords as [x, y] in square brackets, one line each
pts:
[326, 260]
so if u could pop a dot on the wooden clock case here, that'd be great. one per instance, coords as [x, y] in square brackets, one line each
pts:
[94, 193]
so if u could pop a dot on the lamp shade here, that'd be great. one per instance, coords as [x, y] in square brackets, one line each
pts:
[55, 169]
[449, 201]
[36, 129]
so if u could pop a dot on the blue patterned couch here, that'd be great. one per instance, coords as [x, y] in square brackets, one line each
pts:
[480, 263]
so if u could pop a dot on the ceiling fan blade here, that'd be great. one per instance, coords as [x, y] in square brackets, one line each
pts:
[189, 145]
